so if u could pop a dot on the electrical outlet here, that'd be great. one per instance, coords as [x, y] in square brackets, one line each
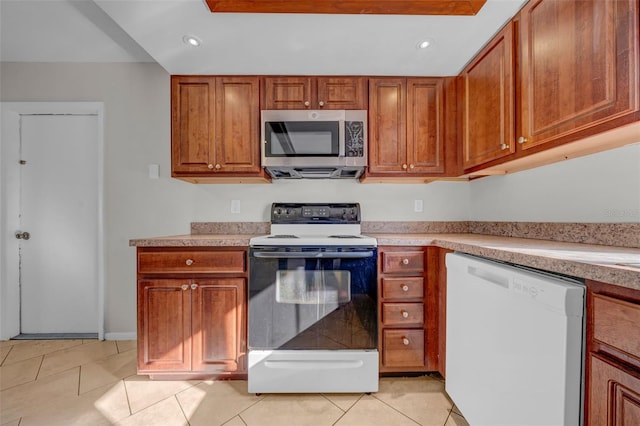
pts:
[417, 206]
[235, 206]
[154, 171]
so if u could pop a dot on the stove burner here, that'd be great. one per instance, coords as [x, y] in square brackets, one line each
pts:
[282, 236]
[345, 236]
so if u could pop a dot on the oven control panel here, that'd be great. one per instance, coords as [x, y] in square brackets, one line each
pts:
[282, 213]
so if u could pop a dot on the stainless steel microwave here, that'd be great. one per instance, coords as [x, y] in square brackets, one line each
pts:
[314, 143]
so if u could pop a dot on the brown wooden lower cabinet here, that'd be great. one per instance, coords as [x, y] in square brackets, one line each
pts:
[613, 359]
[410, 315]
[614, 397]
[191, 323]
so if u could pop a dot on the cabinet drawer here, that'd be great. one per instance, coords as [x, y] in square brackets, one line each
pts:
[617, 323]
[403, 348]
[224, 261]
[403, 288]
[402, 314]
[403, 261]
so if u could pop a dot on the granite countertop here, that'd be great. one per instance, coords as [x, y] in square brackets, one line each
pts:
[590, 261]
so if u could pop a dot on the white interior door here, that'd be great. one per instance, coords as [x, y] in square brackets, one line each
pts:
[59, 209]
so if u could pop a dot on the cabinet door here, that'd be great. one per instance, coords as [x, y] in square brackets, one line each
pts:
[288, 93]
[387, 126]
[164, 325]
[488, 102]
[237, 133]
[341, 93]
[614, 394]
[192, 123]
[579, 65]
[218, 325]
[425, 126]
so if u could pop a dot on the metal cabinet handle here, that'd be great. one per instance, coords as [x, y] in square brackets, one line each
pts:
[411, 166]
[307, 103]
[404, 167]
[405, 261]
[189, 262]
[194, 286]
[405, 287]
[405, 341]
[218, 167]
[22, 235]
[210, 166]
[504, 146]
[184, 287]
[321, 103]
[522, 139]
[405, 314]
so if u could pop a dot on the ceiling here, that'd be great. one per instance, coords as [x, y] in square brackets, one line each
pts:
[242, 43]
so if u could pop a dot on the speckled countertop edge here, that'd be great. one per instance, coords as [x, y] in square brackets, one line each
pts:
[589, 261]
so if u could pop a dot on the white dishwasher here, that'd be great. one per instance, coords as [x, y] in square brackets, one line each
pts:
[514, 344]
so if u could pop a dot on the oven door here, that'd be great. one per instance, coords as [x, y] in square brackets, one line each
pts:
[312, 298]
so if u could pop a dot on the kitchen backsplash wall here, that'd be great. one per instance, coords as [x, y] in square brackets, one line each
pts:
[604, 188]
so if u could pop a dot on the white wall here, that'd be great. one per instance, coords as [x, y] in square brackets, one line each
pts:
[137, 133]
[603, 187]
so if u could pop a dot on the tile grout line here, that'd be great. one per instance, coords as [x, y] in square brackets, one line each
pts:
[344, 412]
[5, 357]
[329, 399]
[186, 418]
[126, 392]
[395, 409]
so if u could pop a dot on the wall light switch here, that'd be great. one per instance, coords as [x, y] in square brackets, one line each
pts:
[235, 206]
[154, 171]
[417, 206]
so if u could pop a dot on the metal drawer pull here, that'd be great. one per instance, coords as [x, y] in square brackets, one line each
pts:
[184, 287]
[405, 287]
[194, 286]
[405, 261]
[405, 341]
[405, 314]
[189, 262]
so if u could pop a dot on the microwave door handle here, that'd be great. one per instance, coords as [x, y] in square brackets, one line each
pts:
[313, 254]
[341, 137]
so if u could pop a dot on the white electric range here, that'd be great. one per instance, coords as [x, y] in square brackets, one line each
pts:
[313, 302]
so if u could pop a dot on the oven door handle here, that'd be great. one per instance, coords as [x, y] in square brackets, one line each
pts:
[313, 254]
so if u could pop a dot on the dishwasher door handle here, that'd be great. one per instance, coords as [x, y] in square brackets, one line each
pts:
[488, 276]
[313, 254]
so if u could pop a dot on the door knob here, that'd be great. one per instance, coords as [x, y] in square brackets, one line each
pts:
[22, 235]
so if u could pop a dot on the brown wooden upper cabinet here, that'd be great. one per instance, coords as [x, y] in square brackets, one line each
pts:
[215, 127]
[578, 65]
[314, 93]
[574, 68]
[406, 127]
[488, 124]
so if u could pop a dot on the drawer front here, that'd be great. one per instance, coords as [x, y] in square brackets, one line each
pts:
[231, 261]
[617, 323]
[402, 314]
[403, 261]
[403, 288]
[403, 348]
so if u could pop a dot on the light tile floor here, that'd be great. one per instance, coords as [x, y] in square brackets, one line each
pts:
[89, 382]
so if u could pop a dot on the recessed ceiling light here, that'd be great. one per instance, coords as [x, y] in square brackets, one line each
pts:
[423, 44]
[192, 40]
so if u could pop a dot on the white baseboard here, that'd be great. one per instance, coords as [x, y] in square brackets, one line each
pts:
[120, 336]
